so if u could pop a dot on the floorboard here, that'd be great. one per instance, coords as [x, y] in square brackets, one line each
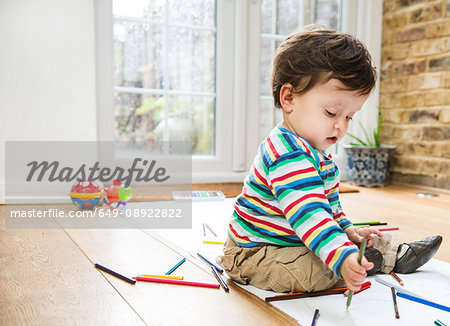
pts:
[47, 277]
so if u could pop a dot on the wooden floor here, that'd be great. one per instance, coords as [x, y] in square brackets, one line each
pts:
[47, 277]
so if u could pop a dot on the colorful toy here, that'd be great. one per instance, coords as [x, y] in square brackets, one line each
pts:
[86, 194]
[117, 195]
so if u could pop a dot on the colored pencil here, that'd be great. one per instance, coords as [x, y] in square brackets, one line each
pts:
[362, 249]
[396, 286]
[394, 298]
[422, 301]
[170, 277]
[220, 270]
[161, 280]
[204, 230]
[316, 316]
[107, 270]
[213, 242]
[388, 229]
[399, 280]
[437, 322]
[176, 266]
[212, 231]
[364, 286]
[298, 295]
[370, 223]
[220, 279]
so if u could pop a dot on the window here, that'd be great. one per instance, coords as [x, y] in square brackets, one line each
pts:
[164, 54]
[198, 70]
[278, 19]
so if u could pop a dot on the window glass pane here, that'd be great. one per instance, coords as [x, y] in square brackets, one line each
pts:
[327, 13]
[290, 15]
[138, 54]
[137, 116]
[191, 118]
[165, 58]
[267, 14]
[138, 8]
[267, 117]
[191, 60]
[192, 12]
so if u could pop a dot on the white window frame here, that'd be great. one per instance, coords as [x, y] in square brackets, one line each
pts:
[237, 80]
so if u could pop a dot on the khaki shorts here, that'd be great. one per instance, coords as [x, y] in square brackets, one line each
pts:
[289, 269]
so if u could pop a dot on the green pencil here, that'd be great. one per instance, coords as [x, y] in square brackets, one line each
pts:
[362, 248]
[370, 223]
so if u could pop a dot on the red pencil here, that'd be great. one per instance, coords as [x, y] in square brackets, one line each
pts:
[160, 280]
[364, 286]
[388, 229]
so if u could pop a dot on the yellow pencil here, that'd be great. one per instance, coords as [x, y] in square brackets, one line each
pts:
[170, 277]
[213, 242]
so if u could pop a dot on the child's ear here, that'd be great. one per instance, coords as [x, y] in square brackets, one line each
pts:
[286, 98]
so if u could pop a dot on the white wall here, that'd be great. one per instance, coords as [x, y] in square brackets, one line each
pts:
[47, 72]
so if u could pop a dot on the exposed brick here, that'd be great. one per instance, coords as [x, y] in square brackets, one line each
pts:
[444, 116]
[407, 3]
[401, 132]
[413, 34]
[409, 68]
[414, 90]
[390, 6]
[440, 64]
[425, 180]
[443, 181]
[447, 80]
[423, 115]
[438, 29]
[395, 51]
[422, 165]
[393, 116]
[436, 97]
[397, 19]
[428, 47]
[387, 100]
[393, 85]
[427, 13]
[440, 149]
[410, 100]
[389, 36]
[424, 81]
[436, 133]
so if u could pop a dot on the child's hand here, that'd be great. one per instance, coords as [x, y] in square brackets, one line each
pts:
[357, 234]
[353, 273]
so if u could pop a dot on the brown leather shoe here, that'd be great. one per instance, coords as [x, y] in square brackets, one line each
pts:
[418, 253]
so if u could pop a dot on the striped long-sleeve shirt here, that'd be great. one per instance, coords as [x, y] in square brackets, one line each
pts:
[291, 198]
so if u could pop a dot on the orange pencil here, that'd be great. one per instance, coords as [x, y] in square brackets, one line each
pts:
[162, 280]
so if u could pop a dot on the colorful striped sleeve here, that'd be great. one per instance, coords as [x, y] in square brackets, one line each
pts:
[300, 191]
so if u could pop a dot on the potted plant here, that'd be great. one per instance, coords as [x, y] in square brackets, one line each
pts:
[368, 159]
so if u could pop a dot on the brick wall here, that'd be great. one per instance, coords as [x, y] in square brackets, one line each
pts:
[415, 90]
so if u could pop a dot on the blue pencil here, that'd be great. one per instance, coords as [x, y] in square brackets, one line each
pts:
[426, 302]
[176, 266]
[220, 270]
[204, 231]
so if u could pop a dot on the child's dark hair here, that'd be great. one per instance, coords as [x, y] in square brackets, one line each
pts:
[307, 58]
